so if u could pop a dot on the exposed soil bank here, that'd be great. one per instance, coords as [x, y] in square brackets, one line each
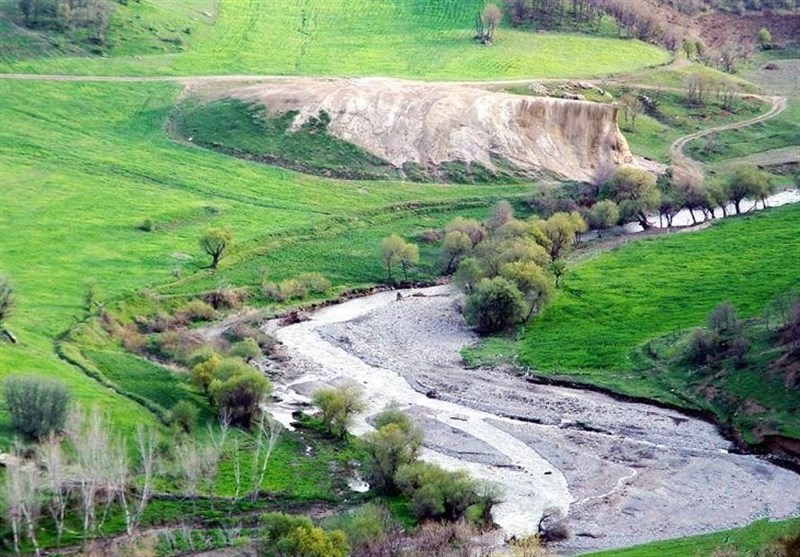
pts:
[625, 472]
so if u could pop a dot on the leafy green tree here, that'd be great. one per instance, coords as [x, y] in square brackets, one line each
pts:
[202, 372]
[37, 406]
[283, 535]
[635, 191]
[469, 274]
[560, 230]
[394, 443]
[339, 406]
[392, 249]
[604, 215]
[472, 228]
[455, 246]
[214, 242]
[494, 305]
[409, 256]
[240, 395]
[747, 181]
[764, 38]
[537, 286]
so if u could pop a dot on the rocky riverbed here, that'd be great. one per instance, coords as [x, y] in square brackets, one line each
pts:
[622, 473]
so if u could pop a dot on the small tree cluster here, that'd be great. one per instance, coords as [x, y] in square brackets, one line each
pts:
[65, 15]
[508, 267]
[295, 288]
[723, 338]
[236, 388]
[635, 193]
[339, 406]
[396, 251]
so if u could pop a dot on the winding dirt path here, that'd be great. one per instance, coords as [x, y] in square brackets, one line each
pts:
[691, 169]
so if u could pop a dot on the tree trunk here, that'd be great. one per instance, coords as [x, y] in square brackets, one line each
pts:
[737, 204]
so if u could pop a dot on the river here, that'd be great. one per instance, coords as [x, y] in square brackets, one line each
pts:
[622, 473]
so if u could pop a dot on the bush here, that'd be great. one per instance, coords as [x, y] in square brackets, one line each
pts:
[314, 283]
[37, 406]
[723, 320]
[184, 416]
[203, 372]
[201, 355]
[700, 348]
[283, 535]
[434, 492]
[469, 274]
[225, 297]
[196, 310]
[246, 349]
[494, 305]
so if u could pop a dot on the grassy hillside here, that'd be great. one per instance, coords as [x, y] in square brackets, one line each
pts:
[611, 304]
[408, 38]
[736, 543]
[84, 165]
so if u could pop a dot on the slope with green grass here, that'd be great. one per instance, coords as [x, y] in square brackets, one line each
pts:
[611, 304]
[406, 38]
[742, 542]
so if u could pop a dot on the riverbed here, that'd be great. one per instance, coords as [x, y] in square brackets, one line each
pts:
[621, 473]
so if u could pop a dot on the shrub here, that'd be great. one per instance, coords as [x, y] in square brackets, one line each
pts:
[469, 274]
[723, 320]
[700, 348]
[365, 528]
[196, 310]
[494, 305]
[314, 283]
[434, 492]
[201, 355]
[225, 297]
[339, 406]
[184, 416]
[430, 236]
[37, 406]
[284, 535]
[203, 372]
[246, 349]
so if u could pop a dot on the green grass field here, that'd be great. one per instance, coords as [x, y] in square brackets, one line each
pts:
[83, 165]
[408, 38]
[743, 542]
[612, 303]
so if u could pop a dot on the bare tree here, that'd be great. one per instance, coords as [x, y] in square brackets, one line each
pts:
[12, 497]
[21, 497]
[267, 432]
[59, 488]
[146, 443]
[486, 23]
[197, 464]
[90, 442]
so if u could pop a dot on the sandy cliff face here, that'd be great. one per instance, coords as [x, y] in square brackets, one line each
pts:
[429, 124]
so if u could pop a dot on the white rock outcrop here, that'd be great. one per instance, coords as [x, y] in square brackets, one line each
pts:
[432, 123]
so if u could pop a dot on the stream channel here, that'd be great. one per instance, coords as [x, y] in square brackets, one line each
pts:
[622, 473]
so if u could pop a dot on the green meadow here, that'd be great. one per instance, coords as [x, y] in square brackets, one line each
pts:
[407, 38]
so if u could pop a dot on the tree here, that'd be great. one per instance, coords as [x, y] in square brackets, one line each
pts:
[339, 406]
[747, 181]
[455, 247]
[486, 22]
[632, 107]
[395, 442]
[267, 433]
[21, 498]
[7, 305]
[494, 305]
[502, 213]
[560, 230]
[471, 228]
[38, 406]
[436, 493]
[395, 250]
[214, 242]
[533, 282]
[635, 191]
[55, 480]
[603, 215]
[240, 395]
[408, 256]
